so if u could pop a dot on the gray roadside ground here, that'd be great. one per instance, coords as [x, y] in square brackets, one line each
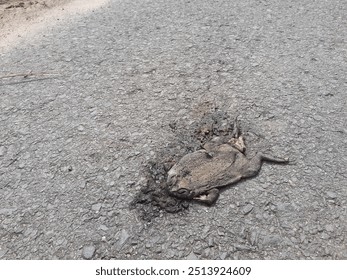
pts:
[86, 102]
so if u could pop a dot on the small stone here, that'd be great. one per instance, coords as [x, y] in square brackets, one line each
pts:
[223, 255]
[7, 211]
[324, 236]
[206, 229]
[80, 128]
[18, 230]
[26, 155]
[2, 150]
[142, 182]
[158, 250]
[329, 228]
[59, 242]
[253, 238]
[210, 242]
[302, 238]
[272, 240]
[2, 253]
[247, 209]
[293, 240]
[124, 235]
[88, 252]
[134, 241]
[130, 183]
[206, 253]
[23, 131]
[103, 227]
[331, 194]
[191, 256]
[67, 168]
[154, 239]
[96, 207]
[170, 254]
[241, 247]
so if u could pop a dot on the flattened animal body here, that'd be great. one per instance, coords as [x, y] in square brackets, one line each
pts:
[221, 162]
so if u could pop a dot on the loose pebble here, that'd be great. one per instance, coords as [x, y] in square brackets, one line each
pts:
[331, 194]
[191, 256]
[247, 209]
[2, 150]
[96, 207]
[88, 252]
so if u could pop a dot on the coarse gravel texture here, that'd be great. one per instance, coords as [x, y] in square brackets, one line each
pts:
[77, 132]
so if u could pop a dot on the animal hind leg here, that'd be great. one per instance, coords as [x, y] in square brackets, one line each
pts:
[253, 167]
[269, 158]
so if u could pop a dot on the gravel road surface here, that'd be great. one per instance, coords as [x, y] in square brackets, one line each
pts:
[87, 102]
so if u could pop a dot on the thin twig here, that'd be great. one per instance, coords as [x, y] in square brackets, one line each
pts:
[26, 81]
[26, 75]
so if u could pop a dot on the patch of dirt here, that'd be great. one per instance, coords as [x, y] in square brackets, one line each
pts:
[153, 197]
[19, 18]
[16, 13]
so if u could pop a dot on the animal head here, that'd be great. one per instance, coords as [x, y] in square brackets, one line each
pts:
[238, 143]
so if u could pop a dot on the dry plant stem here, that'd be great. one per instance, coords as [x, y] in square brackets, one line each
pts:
[26, 75]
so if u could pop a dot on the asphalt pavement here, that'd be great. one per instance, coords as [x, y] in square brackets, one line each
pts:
[95, 104]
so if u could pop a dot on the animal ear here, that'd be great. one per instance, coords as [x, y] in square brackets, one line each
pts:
[241, 138]
[236, 129]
